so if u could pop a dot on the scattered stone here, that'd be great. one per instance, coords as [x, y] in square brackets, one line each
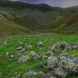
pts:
[19, 47]
[52, 77]
[21, 42]
[49, 75]
[70, 63]
[58, 64]
[22, 50]
[59, 48]
[44, 57]
[29, 46]
[40, 44]
[35, 55]
[12, 56]
[30, 74]
[52, 61]
[41, 73]
[7, 53]
[74, 46]
[49, 53]
[23, 59]
[60, 72]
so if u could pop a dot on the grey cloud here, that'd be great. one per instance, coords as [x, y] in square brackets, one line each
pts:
[60, 3]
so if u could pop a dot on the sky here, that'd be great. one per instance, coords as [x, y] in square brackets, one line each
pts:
[59, 3]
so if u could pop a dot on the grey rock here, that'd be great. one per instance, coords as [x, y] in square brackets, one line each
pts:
[40, 44]
[52, 61]
[60, 72]
[19, 47]
[29, 46]
[30, 74]
[35, 55]
[23, 59]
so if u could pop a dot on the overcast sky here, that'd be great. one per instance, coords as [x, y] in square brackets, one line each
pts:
[60, 3]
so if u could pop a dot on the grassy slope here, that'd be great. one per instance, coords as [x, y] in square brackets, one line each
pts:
[37, 19]
[8, 27]
[42, 18]
[50, 21]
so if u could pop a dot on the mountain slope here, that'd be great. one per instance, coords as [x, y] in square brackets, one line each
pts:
[37, 18]
[41, 18]
[8, 27]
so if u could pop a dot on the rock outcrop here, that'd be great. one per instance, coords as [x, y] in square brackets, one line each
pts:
[62, 65]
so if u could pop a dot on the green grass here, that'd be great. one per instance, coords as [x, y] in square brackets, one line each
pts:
[13, 41]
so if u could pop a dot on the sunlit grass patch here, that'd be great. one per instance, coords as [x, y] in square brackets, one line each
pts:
[73, 53]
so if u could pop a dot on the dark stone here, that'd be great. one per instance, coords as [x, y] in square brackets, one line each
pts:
[62, 46]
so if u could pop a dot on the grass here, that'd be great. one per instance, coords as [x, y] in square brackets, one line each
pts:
[8, 27]
[10, 44]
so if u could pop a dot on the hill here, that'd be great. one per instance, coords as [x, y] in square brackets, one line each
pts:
[8, 27]
[41, 18]
[34, 17]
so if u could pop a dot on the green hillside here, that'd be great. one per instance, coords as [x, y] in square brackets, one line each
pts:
[8, 27]
[33, 19]
[29, 18]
